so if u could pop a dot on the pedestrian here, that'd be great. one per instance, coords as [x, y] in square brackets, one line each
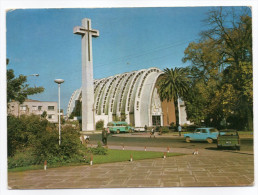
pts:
[179, 130]
[104, 136]
[152, 132]
[145, 128]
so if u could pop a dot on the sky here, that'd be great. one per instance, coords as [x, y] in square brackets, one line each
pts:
[41, 41]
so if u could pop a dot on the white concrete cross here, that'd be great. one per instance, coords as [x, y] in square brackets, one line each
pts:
[88, 123]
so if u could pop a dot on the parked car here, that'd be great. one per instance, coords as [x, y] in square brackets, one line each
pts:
[119, 126]
[85, 138]
[228, 138]
[208, 134]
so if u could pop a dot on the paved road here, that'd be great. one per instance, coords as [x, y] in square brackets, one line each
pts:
[143, 139]
[208, 168]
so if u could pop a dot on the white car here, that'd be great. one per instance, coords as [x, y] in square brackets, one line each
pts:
[86, 138]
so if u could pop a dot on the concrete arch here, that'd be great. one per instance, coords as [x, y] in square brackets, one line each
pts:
[129, 104]
[143, 97]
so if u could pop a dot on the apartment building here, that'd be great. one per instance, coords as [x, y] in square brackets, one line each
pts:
[34, 107]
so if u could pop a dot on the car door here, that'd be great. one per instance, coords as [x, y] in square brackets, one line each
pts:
[204, 134]
[196, 134]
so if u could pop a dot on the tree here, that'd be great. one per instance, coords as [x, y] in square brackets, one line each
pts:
[173, 84]
[221, 70]
[17, 89]
[44, 114]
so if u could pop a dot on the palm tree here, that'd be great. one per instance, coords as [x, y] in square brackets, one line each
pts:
[172, 85]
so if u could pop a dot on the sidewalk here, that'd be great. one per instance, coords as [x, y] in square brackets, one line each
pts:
[208, 168]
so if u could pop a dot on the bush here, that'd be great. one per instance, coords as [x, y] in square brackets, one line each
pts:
[21, 159]
[23, 132]
[99, 150]
[164, 129]
[100, 125]
[48, 146]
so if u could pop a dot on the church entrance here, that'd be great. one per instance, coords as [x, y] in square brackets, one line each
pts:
[156, 120]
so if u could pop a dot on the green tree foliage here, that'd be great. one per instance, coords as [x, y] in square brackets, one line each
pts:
[100, 125]
[173, 84]
[221, 71]
[44, 114]
[17, 89]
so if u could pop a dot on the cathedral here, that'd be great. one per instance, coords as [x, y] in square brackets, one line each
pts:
[131, 97]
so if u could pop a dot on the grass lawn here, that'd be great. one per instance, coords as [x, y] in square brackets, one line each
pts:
[112, 156]
[125, 155]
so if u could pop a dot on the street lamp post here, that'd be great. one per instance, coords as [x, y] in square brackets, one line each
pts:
[59, 81]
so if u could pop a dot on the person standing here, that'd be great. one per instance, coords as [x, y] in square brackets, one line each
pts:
[179, 130]
[145, 128]
[104, 136]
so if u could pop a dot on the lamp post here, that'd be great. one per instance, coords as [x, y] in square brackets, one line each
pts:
[59, 81]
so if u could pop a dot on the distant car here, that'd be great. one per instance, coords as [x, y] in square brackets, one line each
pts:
[139, 129]
[85, 138]
[208, 134]
[119, 127]
[228, 138]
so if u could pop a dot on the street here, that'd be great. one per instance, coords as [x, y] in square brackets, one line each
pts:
[143, 139]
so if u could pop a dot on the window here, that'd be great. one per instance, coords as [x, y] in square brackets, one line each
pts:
[50, 116]
[204, 131]
[156, 120]
[39, 108]
[34, 108]
[51, 107]
[213, 130]
[23, 108]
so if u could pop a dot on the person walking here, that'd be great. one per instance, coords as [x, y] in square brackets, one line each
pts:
[152, 132]
[179, 130]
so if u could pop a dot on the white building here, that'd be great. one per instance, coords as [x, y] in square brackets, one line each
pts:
[132, 97]
[34, 107]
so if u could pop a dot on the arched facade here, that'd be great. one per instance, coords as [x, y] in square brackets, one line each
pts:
[131, 97]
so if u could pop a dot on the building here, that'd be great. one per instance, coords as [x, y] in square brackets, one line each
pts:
[131, 97]
[34, 107]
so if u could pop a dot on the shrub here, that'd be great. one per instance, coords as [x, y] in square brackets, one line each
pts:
[100, 125]
[164, 129]
[99, 150]
[21, 159]
[23, 131]
[48, 146]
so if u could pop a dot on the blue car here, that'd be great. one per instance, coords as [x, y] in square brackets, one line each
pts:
[208, 134]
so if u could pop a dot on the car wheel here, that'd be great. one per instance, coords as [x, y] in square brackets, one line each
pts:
[187, 139]
[117, 131]
[209, 140]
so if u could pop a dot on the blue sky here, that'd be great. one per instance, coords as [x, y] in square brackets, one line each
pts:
[42, 41]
